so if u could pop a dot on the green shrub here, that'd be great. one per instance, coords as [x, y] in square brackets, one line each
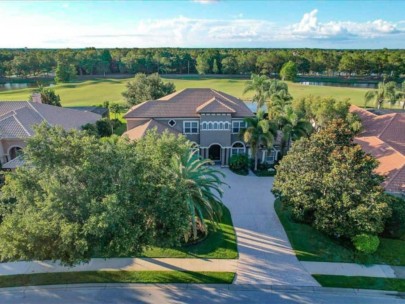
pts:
[239, 163]
[366, 243]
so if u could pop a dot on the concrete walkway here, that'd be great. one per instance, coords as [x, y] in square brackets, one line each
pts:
[129, 264]
[351, 269]
[266, 256]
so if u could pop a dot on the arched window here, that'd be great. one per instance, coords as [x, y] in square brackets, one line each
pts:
[14, 152]
[215, 126]
[238, 148]
[210, 126]
[204, 125]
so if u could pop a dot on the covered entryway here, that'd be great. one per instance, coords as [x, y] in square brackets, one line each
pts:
[214, 152]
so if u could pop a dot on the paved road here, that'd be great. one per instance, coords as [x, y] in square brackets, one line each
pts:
[266, 256]
[189, 294]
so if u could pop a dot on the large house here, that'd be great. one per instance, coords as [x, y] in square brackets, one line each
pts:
[383, 136]
[17, 119]
[209, 118]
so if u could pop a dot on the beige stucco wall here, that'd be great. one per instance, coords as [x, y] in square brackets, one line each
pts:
[6, 144]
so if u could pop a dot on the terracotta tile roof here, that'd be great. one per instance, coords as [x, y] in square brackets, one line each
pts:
[139, 131]
[214, 106]
[185, 103]
[384, 138]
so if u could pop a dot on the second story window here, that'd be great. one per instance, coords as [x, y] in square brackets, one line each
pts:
[190, 127]
[237, 126]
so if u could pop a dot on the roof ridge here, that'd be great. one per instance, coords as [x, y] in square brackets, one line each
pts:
[394, 176]
[231, 101]
[22, 126]
[389, 123]
[37, 112]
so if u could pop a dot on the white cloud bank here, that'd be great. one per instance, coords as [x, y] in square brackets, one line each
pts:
[47, 32]
[309, 27]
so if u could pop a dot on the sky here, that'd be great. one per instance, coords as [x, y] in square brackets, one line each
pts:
[203, 23]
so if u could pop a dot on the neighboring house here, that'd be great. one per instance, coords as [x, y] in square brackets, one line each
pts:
[383, 136]
[209, 118]
[17, 119]
[104, 112]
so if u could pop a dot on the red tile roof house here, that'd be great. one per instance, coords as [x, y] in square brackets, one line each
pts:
[210, 118]
[17, 119]
[383, 136]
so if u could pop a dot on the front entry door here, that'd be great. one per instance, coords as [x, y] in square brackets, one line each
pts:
[214, 152]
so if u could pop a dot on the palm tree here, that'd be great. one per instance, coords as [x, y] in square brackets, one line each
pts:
[259, 131]
[294, 127]
[386, 92]
[203, 187]
[259, 84]
[279, 98]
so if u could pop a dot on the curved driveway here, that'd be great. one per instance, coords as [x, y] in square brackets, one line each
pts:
[266, 256]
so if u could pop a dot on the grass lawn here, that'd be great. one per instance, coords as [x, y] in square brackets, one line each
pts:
[312, 245]
[117, 277]
[219, 244]
[95, 92]
[361, 282]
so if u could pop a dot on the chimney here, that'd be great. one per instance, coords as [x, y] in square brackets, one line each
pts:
[36, 97]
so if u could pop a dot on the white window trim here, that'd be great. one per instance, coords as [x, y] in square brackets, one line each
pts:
[225, 125]
[239, 122]
[238, 148]
[191, 127]
[175, 122]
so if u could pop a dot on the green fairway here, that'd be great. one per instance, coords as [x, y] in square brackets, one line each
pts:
[82, 277]
[95, 92]
[361, 282]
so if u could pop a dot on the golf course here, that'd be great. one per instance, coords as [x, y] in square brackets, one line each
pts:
[96, 91]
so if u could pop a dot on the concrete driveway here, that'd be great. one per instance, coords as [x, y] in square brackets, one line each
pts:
[266, 256]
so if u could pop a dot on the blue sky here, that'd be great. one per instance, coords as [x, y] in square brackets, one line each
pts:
[203, 23]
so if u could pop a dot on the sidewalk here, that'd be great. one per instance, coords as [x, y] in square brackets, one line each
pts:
[129, 264]
[351, 269]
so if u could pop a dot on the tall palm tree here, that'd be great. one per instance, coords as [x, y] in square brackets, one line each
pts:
[294, 127]
[278, 98]
[203, 187]
[385, 92]
[259, 84]
[259, 131]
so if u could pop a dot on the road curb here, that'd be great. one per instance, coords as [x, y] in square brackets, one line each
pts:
[230, 287]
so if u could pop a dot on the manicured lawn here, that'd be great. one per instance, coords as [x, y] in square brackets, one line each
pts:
[312, 245]
[117, 277]
[94, 92]
[219, 244]
[361, 282]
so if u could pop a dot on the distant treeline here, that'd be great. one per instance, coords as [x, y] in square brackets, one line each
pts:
[91, 61]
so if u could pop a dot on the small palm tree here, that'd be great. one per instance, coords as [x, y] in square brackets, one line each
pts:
[259, 84]
[386, 92]
[278, 97]
[203, 186]
[259, 131]
[294, 127]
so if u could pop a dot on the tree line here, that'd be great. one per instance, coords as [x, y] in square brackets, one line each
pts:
[92, 61]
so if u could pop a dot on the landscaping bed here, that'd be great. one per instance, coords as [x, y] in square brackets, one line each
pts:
[117, 277]
[219, 244]
[312, 245]
[361, 282]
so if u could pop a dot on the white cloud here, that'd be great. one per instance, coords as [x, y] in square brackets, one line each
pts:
[309, 27]
[48, 31]
[206, 1]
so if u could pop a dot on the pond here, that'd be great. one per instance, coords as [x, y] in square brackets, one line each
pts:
[8, 86]
[364, 85]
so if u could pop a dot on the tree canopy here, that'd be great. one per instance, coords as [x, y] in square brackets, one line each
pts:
[330, 183]
[69, 203]
[144, 88]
